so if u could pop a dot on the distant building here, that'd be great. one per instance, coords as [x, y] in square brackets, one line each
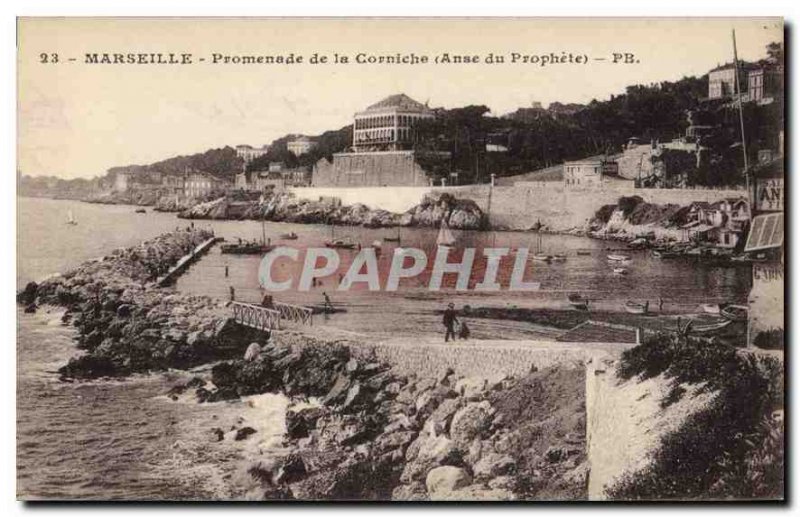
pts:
[722, 81]
[263, 180]
[721, 223]
[764, 83]
[172, 184]
[240, 181]
[280, 178]
[300, 145]
[589, 172]
[199, 185]
[389, 125]
[249, 153]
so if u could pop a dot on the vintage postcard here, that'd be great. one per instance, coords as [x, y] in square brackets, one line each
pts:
[385, 259]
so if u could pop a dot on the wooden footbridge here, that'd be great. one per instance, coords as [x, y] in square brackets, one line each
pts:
[271, 318]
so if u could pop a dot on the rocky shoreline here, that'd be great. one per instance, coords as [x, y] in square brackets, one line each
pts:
[460, 214]
[370, 433]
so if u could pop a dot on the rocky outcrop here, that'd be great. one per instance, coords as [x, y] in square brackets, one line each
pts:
[285, 207]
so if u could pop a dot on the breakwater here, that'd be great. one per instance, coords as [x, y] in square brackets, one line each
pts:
[127, 324]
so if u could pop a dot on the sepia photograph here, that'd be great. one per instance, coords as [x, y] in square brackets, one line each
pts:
[383, 259]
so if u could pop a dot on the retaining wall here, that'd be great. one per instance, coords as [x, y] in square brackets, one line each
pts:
[523, 205]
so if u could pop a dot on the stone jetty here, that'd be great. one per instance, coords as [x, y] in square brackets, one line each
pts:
[126, 323]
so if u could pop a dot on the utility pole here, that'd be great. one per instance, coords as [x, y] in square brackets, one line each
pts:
[741, 119]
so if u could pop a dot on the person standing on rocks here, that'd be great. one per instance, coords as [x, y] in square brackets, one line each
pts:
[449, 320]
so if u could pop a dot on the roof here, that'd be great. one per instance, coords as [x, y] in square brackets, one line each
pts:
[743, 65]
[400, 101]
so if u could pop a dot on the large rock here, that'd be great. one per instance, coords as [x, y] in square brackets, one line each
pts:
[441, 481]
[253, 352]
[493, 465]
[470, 422]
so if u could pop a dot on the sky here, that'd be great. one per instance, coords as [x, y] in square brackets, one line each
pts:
[78, 120]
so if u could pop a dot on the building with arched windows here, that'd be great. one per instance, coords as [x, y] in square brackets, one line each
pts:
[389, 125]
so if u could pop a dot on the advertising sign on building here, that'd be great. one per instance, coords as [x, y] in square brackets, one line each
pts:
[769, 195]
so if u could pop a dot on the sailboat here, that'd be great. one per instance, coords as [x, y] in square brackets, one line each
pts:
[389, 238]
[539, 256]
[339, 243]
[445, 237]
[71, 218]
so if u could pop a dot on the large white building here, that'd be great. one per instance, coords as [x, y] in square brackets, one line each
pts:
[248, 153]
[300, 145]
[389, 125]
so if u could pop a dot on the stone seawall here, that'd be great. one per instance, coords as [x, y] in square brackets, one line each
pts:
[396, 168]
[492, 360]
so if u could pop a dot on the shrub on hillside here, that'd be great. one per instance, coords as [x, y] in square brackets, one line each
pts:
[733, 448]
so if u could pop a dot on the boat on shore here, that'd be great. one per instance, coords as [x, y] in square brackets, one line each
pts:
[541, 257]
[620, 271]
[734, 313]
[711, 308]
[291, 236]
[618, 258]
[558, 258]
[583, 252]
[636, 307]
[712, 326]
[578, 301]
[140, 211]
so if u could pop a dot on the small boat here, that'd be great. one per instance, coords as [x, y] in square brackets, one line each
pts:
[664, 254]
[541, 257]
[445, 237]
[618, 258]
[711, 308]
[340, 243]
[704, 328]
[559, 258]
[578, 301]
[140, 211]
[288, 236]
[246, 248]
[636, 308]
[71, 218]
[583, 252]
[735, 313]
[620, 271]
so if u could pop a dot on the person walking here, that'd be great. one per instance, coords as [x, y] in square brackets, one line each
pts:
[660, 304]
[449, 320]
[233, 293]
[328, 306]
